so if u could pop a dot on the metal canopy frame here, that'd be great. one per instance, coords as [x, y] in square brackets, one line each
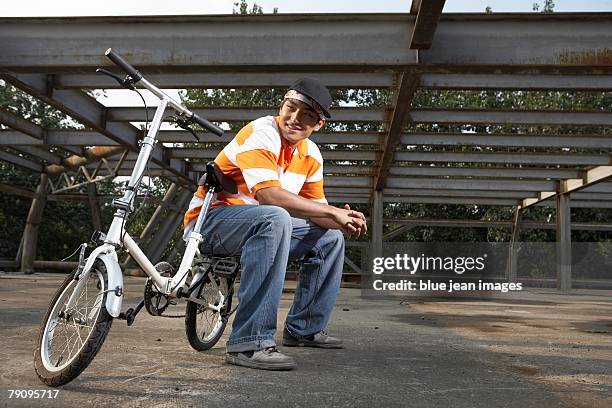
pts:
[423, 49]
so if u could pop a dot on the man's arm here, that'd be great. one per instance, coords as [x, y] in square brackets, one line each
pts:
[349, 221]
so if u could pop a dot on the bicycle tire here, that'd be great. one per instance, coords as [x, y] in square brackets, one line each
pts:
[202, 339]
[56, 372]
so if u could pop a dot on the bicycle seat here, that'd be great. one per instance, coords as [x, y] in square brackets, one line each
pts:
[214, 178]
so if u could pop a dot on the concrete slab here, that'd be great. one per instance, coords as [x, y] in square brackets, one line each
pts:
[536, 348]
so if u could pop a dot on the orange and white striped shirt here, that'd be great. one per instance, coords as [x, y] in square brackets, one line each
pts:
[258, 158]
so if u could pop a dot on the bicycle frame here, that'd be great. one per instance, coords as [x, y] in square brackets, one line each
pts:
[116, 237]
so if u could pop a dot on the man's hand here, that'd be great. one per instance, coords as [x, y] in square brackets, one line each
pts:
[353, 223]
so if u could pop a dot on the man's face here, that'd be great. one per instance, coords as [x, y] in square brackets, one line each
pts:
[298, 121]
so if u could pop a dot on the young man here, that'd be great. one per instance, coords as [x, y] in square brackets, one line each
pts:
[279, 212]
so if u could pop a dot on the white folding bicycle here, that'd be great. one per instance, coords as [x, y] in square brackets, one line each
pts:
[82, 311]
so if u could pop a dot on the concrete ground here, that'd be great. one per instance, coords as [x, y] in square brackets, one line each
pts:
[536, 348]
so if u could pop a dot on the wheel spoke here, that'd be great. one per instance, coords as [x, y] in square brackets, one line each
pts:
[65, 337]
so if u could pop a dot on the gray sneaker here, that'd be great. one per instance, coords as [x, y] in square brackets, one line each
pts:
[267, 359]
[320, 340]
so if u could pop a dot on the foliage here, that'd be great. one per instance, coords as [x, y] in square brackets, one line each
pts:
[547, 7]
[243, 8]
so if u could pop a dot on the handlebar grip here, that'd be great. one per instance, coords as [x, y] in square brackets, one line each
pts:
[124, 65]
[206, 125]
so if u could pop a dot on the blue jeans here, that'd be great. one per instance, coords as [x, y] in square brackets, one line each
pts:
[266, 236]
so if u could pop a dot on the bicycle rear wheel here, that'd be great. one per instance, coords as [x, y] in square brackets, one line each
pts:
[204, 325]
[70, 339]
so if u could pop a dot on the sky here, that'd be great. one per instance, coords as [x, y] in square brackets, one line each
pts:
[180, 7]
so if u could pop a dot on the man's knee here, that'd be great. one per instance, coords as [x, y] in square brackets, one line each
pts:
[335, 237]
[278, 217]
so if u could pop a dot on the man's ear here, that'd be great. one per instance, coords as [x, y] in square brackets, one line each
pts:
[319, 125]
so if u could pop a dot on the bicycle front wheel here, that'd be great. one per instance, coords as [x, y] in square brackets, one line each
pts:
[204, 325]
[70, 339]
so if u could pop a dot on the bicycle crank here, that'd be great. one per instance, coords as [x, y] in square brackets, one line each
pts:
[156, 303]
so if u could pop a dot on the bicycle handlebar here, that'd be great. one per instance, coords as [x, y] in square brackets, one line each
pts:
[137, 76]
[124, 65]
[206, 124]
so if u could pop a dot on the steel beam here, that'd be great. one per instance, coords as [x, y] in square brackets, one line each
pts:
[452, 200]
[426, 22]
[327, 169]
[40, 153]
[601, 187]
[450, 223]
[512, 264]
[86, 110]
[165, 203]
[598, 83]
[30, 233]
[94, 205]
[512, 39]
[328, 154]
[352, 182]
[143, 239]
[61, 137]
[581, 204]
[564, 243]
[402, 100]
[470, 184]
[589, 178]
[351, 200]
[354, 169]
[376, 225]
[233, 80]
[21, 162]
[495, 172]
[16, 138]
[397, 231]
[18, 123]
[462, 41]
[506, 158]
[167, 229]
[458, 193]
[228, 114]
[517, 117]
[502, 140]
[208, 43]
[58, 137]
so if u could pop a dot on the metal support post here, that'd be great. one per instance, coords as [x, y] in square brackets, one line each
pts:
[179, 246]
[376, 246]
[152, 223]
[148, 229]
[30, 233]
[511, 266]
[167, 229]
[564, 243]
[19, 254]
[94, 205]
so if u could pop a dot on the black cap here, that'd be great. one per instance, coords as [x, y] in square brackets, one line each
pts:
[316, 91]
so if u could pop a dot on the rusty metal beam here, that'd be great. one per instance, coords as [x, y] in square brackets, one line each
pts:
[21, 162]
[530, 82]
[214, 80]
[589, 178]
[425, 25]
[88, 111]
[401, 105]
[518, 117]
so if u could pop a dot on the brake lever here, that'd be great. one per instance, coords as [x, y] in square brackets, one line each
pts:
[125, 83]
[184, 124]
